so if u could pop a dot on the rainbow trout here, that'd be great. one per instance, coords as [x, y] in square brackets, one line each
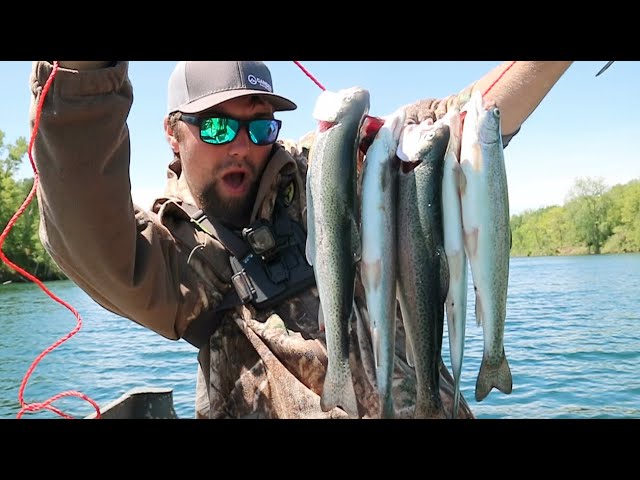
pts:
[333, 239]
[456, 301]
[487, 235]
[423, 276]
[378, 265]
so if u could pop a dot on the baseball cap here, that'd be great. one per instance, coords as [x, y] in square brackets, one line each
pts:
[198, 86]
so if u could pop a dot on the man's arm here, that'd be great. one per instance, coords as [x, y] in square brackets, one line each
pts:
[88, 65]
[519, 92]
[116, 253]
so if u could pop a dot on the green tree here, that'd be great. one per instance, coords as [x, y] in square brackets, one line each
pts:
[588, 207]
[539, 232]
[22, 244]
[625, 211]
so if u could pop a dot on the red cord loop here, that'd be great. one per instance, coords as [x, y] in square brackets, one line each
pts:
[33, 407]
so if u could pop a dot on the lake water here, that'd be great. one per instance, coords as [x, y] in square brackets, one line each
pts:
[572, 339]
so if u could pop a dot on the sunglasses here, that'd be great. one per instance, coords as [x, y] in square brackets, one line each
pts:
[221, 130]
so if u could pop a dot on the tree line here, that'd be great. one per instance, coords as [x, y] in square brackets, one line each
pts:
[22, 245]
[594, 219]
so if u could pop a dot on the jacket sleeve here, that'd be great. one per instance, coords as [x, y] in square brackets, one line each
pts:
[118, 253]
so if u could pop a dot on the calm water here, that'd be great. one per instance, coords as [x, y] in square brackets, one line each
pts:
[572, 339]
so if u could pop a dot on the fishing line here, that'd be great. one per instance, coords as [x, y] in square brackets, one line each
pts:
[33, 407]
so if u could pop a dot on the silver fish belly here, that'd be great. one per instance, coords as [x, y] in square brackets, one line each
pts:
[485, 219]
[378, 264]
[422, 281]
[333, 239]
[456, 301]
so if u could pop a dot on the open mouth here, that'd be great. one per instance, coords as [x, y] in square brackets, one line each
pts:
[235, 182]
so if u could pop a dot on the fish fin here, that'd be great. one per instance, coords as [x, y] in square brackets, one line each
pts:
[364, 344]
[510, 238]
[408, 351]
[456, 400]
[471, 242]
[310, 248]
[461, 179]
[338, 390]
[491, 376]
[479, 312]
[444, 371]
[342, 395]
[444, 273]
[320, 318]
[451, 315]
[356, 241]
[375, 340]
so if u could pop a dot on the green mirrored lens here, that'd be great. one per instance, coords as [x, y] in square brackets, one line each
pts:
[263, 132]
[219, 130]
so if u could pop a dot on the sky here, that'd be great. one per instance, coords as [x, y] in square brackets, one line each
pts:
[586, 126]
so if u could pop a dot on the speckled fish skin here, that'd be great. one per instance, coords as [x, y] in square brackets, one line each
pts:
[333, 238]
[456, 301]
[485, 220]
[378, 264]
[422, 281]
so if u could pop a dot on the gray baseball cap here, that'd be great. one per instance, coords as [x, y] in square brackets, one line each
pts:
[198, 86]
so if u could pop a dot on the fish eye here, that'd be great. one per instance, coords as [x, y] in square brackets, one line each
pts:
[496, 112]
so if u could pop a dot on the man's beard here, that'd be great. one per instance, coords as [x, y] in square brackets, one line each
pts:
[234, 212]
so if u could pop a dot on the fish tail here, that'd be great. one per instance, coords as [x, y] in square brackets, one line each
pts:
[456, 400]
[387, 409]
[409, 352]
[491, 376]
[384, 374]
[375, 339]
[338, 390]
[320, 319]
[429, 408]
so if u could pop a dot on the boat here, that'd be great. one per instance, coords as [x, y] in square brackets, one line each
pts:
[139, 403]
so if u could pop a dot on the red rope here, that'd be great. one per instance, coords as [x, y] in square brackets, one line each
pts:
[309, 75]
[46, 404]
[306, 72]
[462, 114]
[498, 79]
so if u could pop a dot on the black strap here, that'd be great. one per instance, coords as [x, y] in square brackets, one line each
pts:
[263, 284]
[217, 230]
[201, 328]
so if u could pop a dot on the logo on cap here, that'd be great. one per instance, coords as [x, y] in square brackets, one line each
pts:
[253, 80]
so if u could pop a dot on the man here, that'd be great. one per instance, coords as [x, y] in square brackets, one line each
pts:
[219, 260]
